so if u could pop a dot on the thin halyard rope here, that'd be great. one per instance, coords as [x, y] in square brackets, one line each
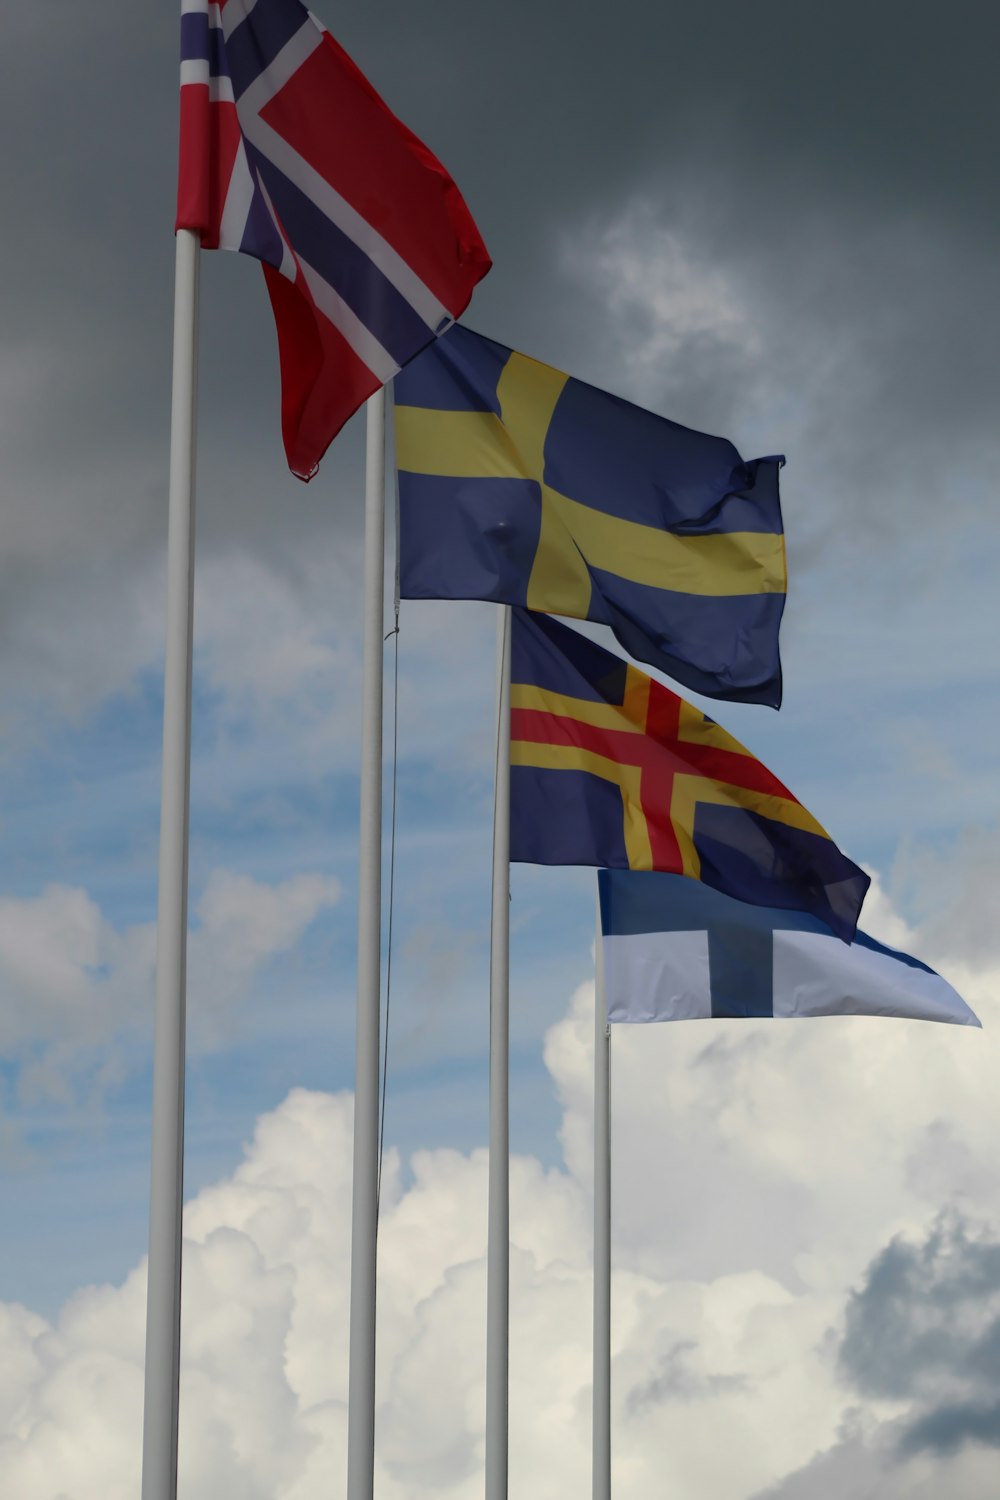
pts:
[496, 785]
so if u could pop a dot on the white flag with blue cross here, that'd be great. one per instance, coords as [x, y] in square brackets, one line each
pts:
[677, 950]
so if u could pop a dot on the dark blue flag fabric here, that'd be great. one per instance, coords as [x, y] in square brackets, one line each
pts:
[519, 484]
[608, 767]
[288, 155]
[675, 950]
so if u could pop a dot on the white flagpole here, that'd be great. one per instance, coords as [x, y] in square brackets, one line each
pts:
[498, 1232]
[602, 1231]
[166, 1193]
[364, 1220]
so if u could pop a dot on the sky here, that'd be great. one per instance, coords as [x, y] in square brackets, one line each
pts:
[776, 223]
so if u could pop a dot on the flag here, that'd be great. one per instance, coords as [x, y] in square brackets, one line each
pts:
[675, 950]
[288, 155]
[611, 768]
[520, 484]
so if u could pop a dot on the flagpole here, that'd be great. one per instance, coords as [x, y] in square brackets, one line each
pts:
[364, 1213]
[498, 1229]
[166, 1190]
[602, 1230]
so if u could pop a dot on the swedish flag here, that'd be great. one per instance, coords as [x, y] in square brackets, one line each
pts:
[520, 484]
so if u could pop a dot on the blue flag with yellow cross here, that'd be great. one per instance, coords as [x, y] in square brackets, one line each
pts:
[609, 767]
[520, 484]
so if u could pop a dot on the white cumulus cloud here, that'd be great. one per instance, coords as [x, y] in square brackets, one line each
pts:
[760, 1171]
[76, 992]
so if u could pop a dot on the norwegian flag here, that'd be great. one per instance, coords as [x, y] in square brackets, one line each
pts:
[288, 154]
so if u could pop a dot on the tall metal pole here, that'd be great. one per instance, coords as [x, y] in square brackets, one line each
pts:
[498, 1231]
[166, 1192]
[364, 1221]
[602, 1232]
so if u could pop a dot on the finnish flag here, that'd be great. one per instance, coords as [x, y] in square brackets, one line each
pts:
[677, 950]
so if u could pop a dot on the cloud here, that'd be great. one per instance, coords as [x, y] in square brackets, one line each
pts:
[925, 1327]
[76, 993]
[743, 248]
[676, 1380]
[806, 350]
[761, 1286]
[265, 1317]
[951, 885]
[739, 216]
[950, 1427]
[260, 639]
[867, 1466]
[83, 629]
[242, 925]
[668, 306]
[921, 1346]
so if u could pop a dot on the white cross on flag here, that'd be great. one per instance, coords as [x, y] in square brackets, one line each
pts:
[288, 154]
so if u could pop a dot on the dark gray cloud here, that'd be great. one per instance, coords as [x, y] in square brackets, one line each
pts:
[945, 1430]
[835, 163]
[870, 106]
[923, 1330]
[826, 174]
[927, 1313]
[839, 161]
[868, 1465]
[678, 1379]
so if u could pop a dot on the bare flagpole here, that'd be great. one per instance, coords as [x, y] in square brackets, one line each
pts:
[166, 1193]
[364, 1214]
[498, 1232]
[602, 1230]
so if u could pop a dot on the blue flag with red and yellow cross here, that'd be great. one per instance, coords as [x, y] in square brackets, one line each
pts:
[611, 768]
[520, 484]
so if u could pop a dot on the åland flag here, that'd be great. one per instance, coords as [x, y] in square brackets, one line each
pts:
[675, 950]
[522, 485]
[288, 154]
[611, 768]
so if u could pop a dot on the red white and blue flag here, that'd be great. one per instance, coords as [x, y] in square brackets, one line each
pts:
[288, 154]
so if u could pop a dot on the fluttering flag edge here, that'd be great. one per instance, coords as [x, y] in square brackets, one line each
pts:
[805, 960]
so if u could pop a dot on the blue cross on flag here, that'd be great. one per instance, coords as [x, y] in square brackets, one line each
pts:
[675, 949]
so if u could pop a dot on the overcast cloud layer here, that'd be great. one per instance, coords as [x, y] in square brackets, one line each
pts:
[777, 222]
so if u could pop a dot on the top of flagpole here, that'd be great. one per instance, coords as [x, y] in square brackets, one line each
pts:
[288, 154]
